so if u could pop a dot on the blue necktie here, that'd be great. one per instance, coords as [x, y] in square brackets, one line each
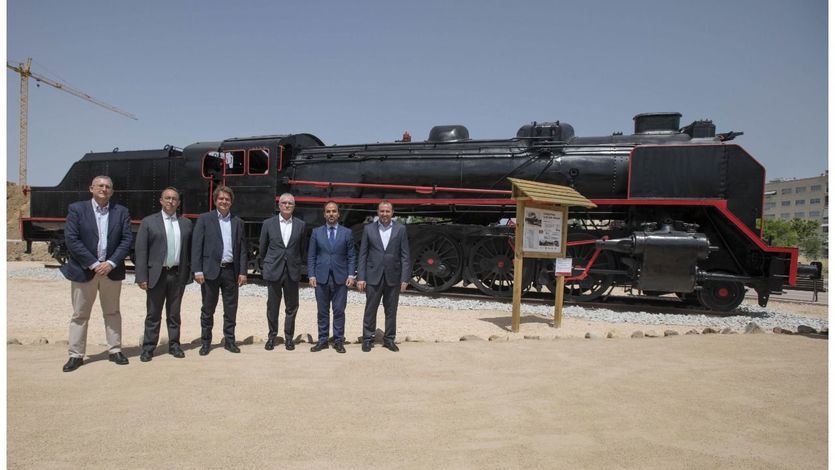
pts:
[331, 235]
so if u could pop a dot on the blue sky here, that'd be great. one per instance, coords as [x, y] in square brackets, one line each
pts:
[365, 71]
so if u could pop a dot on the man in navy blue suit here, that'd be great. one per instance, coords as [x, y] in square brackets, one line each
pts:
[331, 263]
[219, 261]
[98, 238]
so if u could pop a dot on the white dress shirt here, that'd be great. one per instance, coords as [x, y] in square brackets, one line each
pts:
[385, 233]
[226, 234]
[176, 234]
[102, 218]
[286, 229]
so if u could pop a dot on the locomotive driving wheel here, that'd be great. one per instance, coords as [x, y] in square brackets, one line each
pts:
[594, 285]
[437, 263]
[491, 266]
[722, 296]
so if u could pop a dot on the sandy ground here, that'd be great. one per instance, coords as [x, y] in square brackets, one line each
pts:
[712, 401]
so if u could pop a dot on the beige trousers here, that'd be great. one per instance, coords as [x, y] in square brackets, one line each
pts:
[83, 296]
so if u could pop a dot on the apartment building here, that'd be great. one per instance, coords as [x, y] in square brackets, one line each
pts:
[804, 198]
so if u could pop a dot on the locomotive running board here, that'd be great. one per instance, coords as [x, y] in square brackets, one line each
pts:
[720, 204]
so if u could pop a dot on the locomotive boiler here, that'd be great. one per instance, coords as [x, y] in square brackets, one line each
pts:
[679, 209]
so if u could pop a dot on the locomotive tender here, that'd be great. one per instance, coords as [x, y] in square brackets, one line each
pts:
[679, 210]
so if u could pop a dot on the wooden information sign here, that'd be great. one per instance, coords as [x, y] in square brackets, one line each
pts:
[541, 232]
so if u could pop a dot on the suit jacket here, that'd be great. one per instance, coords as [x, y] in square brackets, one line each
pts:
[152, 249]
[322, 259]
[207, 246]
[392, 264]
[275, 255]
[81, 235]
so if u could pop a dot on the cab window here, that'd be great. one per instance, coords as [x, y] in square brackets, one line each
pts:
[212, 165]
[234, 161]
[259, 161]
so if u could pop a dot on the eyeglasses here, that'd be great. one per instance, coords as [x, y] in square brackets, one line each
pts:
[285, 203]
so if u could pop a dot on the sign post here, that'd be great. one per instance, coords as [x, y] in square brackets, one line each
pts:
[542, 232]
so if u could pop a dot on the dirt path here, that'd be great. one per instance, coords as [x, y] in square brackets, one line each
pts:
[706, 401]
[753, 401]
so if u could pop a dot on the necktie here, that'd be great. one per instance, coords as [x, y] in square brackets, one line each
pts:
[170, 259]
[331, 235]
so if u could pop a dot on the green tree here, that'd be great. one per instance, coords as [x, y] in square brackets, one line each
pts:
[808, 237]
[779, 232]
[804, 234]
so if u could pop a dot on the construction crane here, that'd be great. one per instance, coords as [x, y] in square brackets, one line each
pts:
[24, 69]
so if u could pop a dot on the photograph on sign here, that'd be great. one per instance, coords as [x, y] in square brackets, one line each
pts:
[543, 230]
[562, 267]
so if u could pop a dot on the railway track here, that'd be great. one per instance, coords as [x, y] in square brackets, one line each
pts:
[668, 305]
[611, 302]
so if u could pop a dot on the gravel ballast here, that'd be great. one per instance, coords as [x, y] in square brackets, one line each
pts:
[767, 318]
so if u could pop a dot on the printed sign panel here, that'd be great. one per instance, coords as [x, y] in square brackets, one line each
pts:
[562, 266]
[543, 230]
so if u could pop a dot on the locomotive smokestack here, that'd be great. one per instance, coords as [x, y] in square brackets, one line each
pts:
[657, 123]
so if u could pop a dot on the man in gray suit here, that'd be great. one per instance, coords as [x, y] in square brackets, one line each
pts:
[384, 269]
[163, 246]
[280, 248]
[218, 259]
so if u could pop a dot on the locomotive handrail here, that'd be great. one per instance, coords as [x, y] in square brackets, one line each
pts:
[417, 189]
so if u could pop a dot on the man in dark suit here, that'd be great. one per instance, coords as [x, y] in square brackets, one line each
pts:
[218, 259]
[384, 269]
[280, 248]
[331, 264]
[163, 249]
[98, 238]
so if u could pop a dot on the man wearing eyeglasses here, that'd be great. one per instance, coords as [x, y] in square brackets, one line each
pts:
[98, 238]
[163, 251]
[280, 250]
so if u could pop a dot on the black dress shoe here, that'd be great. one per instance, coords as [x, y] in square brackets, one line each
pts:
[269, 345]
[73, 363]
[176, 351]
[290, 345]
[146, 356]
[318, 347]
[204, 349]
[366, 346]
[391, 347]
[340, 348]
[118, 358]
[231, 347]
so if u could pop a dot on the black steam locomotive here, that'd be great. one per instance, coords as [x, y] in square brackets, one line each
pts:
[679, 210]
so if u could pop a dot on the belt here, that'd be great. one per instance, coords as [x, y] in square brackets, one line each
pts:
[227, 265]
[172, 268]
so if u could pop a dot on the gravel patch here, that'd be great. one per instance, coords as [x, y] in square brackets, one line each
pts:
[767, 318]
[37, 274]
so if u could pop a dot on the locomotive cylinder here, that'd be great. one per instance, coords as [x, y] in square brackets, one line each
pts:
[668, 258]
